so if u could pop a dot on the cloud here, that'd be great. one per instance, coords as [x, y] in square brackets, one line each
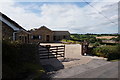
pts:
[64, 16]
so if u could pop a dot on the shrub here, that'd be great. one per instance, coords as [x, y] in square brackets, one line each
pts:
[96, 44]
[110, 52]
[99, 51]
[115, 53]
[19, 60]
[70, 41]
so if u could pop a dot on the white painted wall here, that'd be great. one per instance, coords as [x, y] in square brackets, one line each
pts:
[73, 51]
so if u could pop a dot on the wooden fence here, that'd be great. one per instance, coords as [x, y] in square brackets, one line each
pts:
[46, 52]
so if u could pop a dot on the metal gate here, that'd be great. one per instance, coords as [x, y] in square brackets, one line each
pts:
[46, 52]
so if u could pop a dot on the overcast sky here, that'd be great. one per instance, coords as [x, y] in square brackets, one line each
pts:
[76, 16]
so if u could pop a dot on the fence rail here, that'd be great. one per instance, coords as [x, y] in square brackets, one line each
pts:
[46, 52]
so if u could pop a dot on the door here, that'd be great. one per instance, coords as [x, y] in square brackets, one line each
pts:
[47, 38]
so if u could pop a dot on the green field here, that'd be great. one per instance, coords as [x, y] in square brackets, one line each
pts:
[91, 38]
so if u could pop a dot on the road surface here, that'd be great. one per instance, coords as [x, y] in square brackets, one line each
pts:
[93, 69]
[107, 71]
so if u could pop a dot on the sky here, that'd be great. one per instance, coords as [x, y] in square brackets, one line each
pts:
[78, 16]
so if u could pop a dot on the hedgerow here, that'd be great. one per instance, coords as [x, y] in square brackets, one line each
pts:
[19, 60]
[109, 52]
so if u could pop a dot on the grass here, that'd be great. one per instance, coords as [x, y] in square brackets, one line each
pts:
[65, 41]
[115, 60]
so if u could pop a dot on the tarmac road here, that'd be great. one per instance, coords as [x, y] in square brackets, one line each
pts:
[94, 69]
[107, 71]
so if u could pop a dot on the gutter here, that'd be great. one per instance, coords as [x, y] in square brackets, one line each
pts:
[14, 35]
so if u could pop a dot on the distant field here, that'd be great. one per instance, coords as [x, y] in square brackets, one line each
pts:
[106, 37]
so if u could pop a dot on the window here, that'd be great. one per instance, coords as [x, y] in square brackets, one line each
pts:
[36, 37]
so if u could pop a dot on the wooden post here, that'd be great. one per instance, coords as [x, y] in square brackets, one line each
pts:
[56, 51]
[64, 52]
[48, 49]
[37, 53]
[82, 49]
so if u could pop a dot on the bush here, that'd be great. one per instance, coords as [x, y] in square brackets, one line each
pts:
[99, 51]
[114, 54]
[19, 60]
[70, 41]
[110, 52]
[96, 44]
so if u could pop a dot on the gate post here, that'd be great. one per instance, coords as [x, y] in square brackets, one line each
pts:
[48, 49]
[56, 51]
[37, 52]
[64, 52]
[82, 49]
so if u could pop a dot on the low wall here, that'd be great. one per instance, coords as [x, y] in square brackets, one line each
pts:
[73, 51]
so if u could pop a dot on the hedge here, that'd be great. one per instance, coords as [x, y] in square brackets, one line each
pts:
[110, 52]
[19, 60]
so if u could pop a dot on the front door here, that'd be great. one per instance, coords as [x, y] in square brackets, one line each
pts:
[47, 38]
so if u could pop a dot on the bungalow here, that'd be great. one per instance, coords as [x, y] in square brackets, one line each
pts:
[12, 31]
[43, 34]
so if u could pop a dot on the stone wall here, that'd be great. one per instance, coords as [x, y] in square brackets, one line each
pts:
[23, 36]
[43, 35]
[7, 32]
[59, 35]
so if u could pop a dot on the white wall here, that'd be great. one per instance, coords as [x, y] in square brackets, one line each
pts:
[73, 51]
